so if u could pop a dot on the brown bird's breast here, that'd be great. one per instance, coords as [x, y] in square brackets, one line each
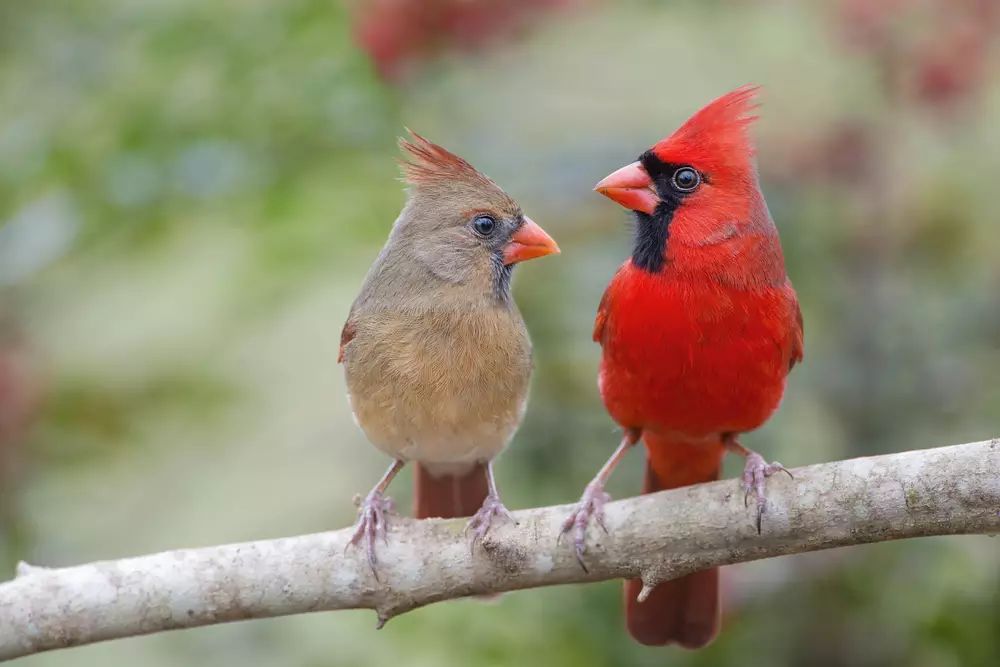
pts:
[440, 387]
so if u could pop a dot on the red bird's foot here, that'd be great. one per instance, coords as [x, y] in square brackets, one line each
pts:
[481, 520]
[591, 506]
[372, 524]
[755, 473]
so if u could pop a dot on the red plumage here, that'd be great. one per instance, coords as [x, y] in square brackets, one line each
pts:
[697, 342]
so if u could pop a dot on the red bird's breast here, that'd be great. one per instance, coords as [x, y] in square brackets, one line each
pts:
[693, 357]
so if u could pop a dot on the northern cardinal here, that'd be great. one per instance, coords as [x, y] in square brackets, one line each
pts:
[698, 329]
[436, 355]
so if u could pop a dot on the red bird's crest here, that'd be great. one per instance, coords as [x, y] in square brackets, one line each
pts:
[716, 136]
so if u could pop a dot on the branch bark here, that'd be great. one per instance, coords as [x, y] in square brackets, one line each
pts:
[946, 491]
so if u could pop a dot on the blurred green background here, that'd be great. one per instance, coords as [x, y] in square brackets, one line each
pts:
[191, 193]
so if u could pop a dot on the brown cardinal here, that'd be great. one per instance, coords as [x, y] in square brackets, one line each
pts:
[698, 329]
[436, 356]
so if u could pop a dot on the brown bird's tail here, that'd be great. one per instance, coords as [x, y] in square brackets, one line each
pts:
[449, 496]
[683, 611]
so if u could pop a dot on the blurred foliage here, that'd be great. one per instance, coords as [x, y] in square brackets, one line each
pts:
[191, 192]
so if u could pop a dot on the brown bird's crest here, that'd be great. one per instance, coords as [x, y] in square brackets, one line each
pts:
[427, 164]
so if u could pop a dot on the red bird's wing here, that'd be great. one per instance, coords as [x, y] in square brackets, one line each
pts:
[601, 321]
[604, 310]
[798, 337]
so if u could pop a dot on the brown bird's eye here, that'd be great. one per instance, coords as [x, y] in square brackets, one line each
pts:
[686, 179]
[484, 225]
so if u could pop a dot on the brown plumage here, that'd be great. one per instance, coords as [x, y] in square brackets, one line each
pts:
[436, 356]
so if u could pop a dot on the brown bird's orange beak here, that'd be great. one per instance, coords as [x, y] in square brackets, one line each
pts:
[631, 187]
[528, 242]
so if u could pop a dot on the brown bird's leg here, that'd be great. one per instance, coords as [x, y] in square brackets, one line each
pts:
[492, 507]
[755, 473]
[372, 515]
[594, 497]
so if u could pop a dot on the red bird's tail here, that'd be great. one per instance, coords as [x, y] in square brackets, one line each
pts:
[683, 611]
[449, 496]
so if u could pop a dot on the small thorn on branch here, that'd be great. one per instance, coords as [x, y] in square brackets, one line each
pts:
[650, 580]
[383, 618]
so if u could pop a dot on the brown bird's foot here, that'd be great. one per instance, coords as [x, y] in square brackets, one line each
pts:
[591, 506]
[372, 524]
[372, 515]
[481, 520]
[755, 473]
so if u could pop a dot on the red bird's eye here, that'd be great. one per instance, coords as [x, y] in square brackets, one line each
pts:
[686, 179]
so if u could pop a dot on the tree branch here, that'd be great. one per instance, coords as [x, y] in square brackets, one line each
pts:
[946, 491]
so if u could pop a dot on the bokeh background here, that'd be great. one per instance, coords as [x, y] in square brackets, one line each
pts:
[191, 193]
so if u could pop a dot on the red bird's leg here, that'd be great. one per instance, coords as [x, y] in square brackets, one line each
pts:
[591, 505]
[492, 507]
[755, 473]
[372, 515]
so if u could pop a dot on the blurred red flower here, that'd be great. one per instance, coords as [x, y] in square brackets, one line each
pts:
[397, 34]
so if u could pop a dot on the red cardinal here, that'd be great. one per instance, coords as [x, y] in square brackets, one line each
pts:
[699, 329]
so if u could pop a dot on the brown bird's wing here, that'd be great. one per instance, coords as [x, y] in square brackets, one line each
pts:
[346, 336]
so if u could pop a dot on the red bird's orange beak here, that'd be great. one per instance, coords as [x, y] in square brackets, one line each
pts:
[631, 187]
[528, 242]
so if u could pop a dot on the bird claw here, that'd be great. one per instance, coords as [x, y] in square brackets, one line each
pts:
[755, 474]
[481, 520]
[591, 506]
[372, 524]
